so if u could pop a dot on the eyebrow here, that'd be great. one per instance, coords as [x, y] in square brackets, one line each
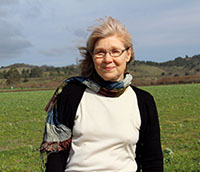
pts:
[113, 47]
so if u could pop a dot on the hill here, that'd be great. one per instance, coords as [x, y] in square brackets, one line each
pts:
[179, 70]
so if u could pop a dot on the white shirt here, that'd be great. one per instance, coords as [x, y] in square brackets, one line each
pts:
[105, 133]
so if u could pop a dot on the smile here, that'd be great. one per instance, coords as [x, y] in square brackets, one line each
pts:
[108, 68]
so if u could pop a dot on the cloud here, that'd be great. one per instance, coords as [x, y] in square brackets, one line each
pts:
[56, 29]
[55, 52]
[3, 4]
[172, 27]
[183, 17]
[12, 42]
[80, 33]
[3, 13]
[8, 2]
[31, 9]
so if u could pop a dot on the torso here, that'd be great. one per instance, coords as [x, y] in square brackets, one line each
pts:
[105, 133]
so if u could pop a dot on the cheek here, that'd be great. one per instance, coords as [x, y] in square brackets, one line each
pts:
[120, 62]
[97, 63]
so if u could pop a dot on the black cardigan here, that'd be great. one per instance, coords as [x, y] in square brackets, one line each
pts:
[148, 149]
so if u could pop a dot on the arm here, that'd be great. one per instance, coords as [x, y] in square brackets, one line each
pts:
[56, 162]
[149, 153]
[66, 107]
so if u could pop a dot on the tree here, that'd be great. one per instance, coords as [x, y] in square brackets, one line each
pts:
[163, 73]
[1, 75]
[4, 74]
[12, 76]
[36, 72]
[25, 73]
[57, 70]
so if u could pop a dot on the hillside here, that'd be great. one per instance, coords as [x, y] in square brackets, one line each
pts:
[179, 70]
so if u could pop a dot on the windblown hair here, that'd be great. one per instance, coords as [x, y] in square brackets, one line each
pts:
[106, 28]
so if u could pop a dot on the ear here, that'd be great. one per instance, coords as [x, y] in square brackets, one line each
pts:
[128, 57]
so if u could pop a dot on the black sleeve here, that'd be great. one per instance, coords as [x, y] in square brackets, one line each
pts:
[56, 162]
[149, 153]
[67, 105]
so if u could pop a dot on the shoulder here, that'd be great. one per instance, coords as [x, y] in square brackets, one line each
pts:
[71, 93]
[146, 102]
[73, 88]
[68, 102]
[142, 94]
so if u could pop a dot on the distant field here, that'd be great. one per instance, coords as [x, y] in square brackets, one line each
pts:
[22, 121]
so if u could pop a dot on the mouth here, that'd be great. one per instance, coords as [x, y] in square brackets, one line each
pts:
[108, 68]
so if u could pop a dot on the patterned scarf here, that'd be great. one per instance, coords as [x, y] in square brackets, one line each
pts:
[57, 137]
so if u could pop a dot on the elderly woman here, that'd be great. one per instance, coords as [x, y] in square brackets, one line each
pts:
[99, 121]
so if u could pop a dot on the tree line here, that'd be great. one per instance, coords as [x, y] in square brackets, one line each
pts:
[23, 73]
[13, 75]
[188, 62]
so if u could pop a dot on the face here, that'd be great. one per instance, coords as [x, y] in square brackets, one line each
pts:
[111, 68]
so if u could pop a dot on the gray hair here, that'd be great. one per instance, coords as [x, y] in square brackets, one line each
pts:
[107, 27]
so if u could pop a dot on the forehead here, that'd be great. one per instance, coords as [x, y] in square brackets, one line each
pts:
[109, 42]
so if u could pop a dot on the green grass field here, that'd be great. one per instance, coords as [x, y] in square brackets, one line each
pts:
[22, 121]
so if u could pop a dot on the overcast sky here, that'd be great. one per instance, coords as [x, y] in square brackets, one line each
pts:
[48, 32]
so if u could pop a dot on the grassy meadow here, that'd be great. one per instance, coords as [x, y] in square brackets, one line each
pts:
[22, 121]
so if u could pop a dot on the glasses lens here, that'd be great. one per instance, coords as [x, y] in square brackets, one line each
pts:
[99, 53]
[115, 53]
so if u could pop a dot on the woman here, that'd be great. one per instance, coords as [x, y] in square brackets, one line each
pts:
[99, 121]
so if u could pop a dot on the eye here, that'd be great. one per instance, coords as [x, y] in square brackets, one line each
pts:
[99, 53]
[115, 52]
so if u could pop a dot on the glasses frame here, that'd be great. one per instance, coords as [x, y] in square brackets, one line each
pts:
[109, 51]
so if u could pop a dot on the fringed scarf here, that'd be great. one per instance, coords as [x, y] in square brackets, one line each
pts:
[57, 137]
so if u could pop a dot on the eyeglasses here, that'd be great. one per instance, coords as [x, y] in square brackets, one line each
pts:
[113, 53]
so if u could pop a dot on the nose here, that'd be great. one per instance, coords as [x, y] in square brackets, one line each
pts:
[107, 58]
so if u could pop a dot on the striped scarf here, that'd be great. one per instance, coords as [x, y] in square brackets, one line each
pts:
[57, 137]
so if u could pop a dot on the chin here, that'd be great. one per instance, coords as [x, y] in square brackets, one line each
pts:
[110, 78]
